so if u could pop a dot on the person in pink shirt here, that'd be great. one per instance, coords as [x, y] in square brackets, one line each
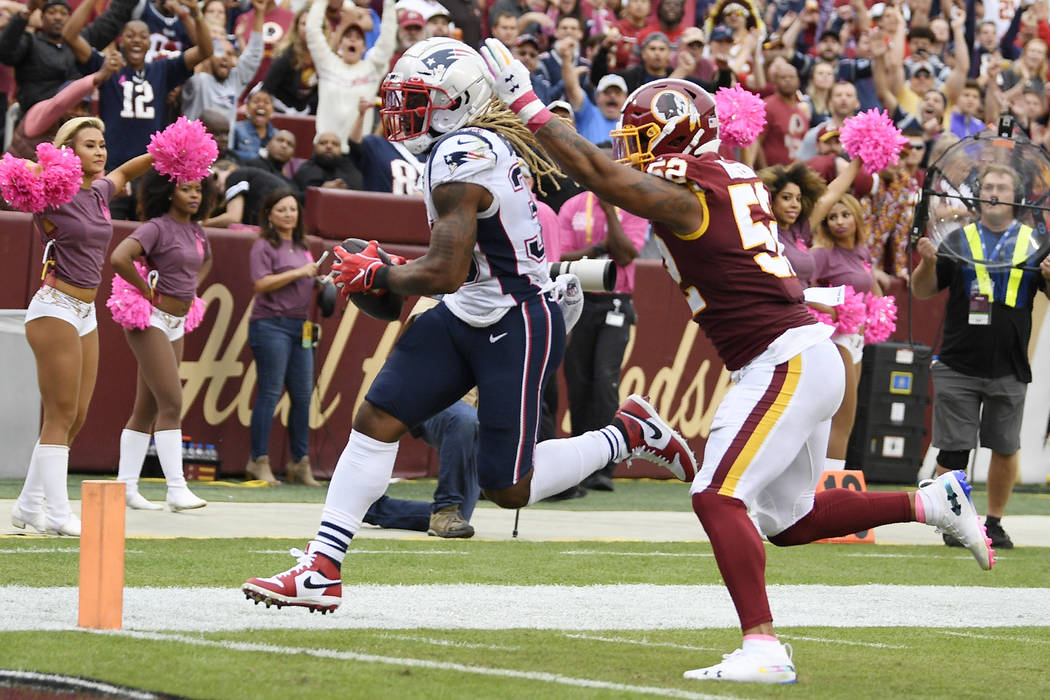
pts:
[61, 325]
[175, 247]
[592, 228]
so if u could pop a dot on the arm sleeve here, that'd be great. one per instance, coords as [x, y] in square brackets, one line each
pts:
[321, 53]
[260, 260]
[14, 42]
[383, 51]
[147, 235]
[109, 24]
[249, 62]
[238, 187]
[43, 115]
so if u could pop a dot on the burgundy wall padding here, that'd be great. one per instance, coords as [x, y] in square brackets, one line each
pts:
[389, 218]
[668, 359]
[302, 127]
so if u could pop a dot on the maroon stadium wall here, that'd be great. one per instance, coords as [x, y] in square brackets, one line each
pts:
[668, 358]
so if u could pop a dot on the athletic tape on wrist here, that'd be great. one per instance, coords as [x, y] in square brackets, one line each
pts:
[531, 110]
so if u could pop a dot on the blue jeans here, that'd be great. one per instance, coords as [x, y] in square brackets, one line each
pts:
[454, 434]
[281, 362]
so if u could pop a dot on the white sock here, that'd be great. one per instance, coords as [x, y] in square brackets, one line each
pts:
[169, 452]
[834, 465]
[559, 464]
[361, 477]
[133, 446]
[53, 465]
[31, 499]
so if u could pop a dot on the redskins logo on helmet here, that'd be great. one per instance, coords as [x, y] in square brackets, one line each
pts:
[665, 116]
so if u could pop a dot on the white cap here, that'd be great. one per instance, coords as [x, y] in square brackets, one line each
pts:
[612, 80]
[562, 104]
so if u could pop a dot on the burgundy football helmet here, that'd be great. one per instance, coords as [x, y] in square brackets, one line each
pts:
[665, 116]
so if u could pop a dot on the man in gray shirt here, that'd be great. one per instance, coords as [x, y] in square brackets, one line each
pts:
[221, 86]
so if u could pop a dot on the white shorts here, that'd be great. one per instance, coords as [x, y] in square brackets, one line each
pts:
[50, 302]
[853, 342]
[769, 437]
[173, 327]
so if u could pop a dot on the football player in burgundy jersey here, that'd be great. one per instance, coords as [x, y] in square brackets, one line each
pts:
[713, 224]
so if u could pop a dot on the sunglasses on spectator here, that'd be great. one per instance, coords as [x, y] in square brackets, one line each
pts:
[916, 146]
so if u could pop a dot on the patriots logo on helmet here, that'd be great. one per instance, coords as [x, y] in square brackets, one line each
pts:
[440, 60]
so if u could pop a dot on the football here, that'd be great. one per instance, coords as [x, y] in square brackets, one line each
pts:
[384, 307]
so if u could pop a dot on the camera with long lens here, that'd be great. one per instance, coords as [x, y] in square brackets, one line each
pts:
[594, 275]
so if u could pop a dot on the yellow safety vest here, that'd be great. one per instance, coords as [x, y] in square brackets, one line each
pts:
[984, 280]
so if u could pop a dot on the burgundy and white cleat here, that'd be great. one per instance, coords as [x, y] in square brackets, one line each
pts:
[652, 439]
[314, 582]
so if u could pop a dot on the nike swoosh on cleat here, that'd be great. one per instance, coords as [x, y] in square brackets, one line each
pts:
[657, 433]
[324, 583]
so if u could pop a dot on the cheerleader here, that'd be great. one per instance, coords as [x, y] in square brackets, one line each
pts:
[178, 258]
[61, 326]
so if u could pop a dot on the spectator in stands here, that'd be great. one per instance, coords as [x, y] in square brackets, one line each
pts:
[527, 20]
[552, 196]
[385, 166]
[328, 167]
[505, 28]
[252, 134]
[842, 104]
[669, 14]
[594, 120]
[594, 229]
[133, 102]
[44, 119]
[278, 22]
[226, 75]
[348, 75]
[172, 242]
[656, 63]
[818, 93]
[42, 60]
[292, 78]
[691, 46]
[438, 23]
[568, 32]
[284, 275]
[466, 16]
[276, 157]
[527, 50]
[242, 190]
[216, 124]
[410, 31]
[454, 434]
[622, 42]
[171, 27]
[966, 116]
[786, 118]
[1031, 64]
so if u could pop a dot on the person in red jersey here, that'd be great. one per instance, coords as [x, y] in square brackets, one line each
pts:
[714, 225]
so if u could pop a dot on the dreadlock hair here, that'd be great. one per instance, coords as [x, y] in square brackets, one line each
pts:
[498, 118]
[809, 182]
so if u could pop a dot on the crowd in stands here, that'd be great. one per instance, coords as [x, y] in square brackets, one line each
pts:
[940, 69]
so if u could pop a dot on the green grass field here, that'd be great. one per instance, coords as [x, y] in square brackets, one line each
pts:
[247, 651]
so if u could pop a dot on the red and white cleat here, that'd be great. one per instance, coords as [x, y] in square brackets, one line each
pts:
[652, 439]
[314, 583]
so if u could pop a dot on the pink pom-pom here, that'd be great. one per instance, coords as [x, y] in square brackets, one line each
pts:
[20, 186]
[851, 312]
[61, 172]
[881, 318]
[821, 316]
[195, 314]
[874, 138]
[741, 116]
[129, 308]
[184, 151]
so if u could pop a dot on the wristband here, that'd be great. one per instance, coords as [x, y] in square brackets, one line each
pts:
[531, 110]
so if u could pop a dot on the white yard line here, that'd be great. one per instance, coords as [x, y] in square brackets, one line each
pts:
[846, 642]
[446, 642]
[707, 555]
[539, 676]
[575, 608]
[639, 642]
[998, 638]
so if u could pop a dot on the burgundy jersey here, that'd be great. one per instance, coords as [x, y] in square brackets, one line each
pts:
[740, 288]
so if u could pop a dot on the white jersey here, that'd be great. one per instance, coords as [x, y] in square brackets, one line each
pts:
[509, 263]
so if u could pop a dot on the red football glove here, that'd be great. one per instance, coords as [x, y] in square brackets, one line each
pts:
[357, 271]
[397, 259]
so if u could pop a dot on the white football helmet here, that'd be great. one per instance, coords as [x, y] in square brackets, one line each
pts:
[436, 87]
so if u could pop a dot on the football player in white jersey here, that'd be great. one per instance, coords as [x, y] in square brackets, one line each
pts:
[495, 328]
